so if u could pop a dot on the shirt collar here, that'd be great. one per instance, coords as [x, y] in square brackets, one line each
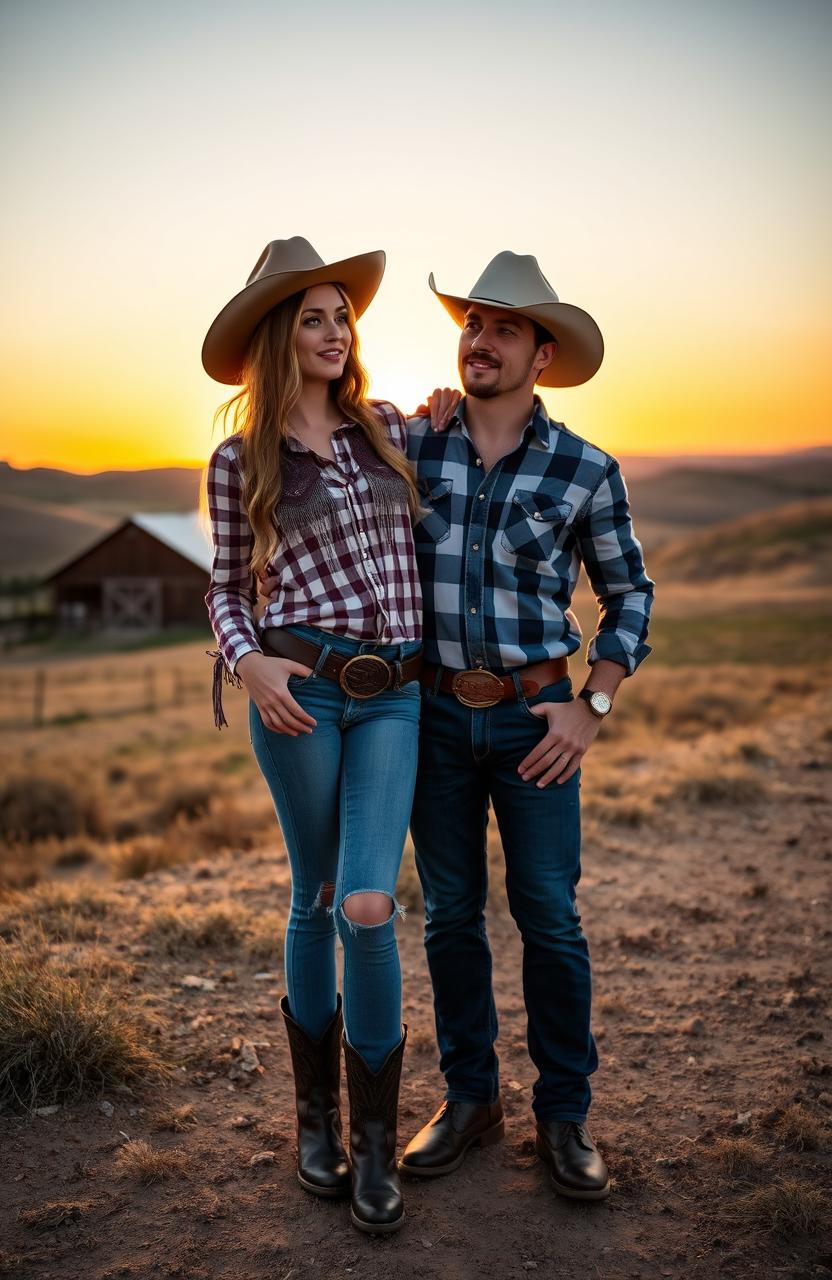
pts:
[297, 446]
[538, 422]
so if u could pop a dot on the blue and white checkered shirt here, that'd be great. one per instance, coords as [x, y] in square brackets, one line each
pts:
[499, 553]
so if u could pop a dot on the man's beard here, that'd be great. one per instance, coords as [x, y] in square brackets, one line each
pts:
[498, 388]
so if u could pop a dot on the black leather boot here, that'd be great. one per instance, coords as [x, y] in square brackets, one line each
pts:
[577, 1166]
[377, 1204]
[441, 1145]
[323, 1168]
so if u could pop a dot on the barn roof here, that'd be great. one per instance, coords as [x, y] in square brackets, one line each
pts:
[181, 531]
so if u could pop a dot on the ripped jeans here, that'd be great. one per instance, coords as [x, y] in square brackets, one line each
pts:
[343, 796]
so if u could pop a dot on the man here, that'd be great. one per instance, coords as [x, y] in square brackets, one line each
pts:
[514, 504]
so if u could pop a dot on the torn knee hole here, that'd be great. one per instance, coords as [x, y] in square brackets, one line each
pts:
[326, 894]
[368, 908]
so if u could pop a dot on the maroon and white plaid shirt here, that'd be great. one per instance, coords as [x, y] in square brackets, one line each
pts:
[360, 580]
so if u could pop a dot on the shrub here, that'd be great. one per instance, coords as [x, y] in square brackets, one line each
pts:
[63, 1039]
[38, 806]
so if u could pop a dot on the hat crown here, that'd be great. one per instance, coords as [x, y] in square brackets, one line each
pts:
[281, 256]
[514, 279]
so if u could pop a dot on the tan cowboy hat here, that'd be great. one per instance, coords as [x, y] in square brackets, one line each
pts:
[283, 268]
[514, 282]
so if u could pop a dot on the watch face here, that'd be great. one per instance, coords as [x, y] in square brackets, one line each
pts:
[600, 703]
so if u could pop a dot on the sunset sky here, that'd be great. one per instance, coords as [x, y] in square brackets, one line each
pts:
[666, 163]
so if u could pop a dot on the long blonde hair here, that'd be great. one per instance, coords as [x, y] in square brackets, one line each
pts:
[259, 412]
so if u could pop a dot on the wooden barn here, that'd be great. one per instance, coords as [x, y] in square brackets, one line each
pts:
[149, 573]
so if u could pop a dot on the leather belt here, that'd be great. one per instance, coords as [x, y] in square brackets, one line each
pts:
[477, 687]
[362, 676]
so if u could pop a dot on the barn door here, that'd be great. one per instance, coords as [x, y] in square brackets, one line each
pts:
[131, 604]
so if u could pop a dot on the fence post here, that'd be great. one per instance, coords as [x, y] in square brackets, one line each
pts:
[40, 697]
[150, 689]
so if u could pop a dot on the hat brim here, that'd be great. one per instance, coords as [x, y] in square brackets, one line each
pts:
[580, 342]
[226, 342]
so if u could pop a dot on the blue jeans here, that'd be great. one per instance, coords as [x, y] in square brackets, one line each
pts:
[467, 755]
[343, 796]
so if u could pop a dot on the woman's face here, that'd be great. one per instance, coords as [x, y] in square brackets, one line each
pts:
[323, 337]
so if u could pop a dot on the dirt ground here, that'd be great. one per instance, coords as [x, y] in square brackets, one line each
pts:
[706, 901]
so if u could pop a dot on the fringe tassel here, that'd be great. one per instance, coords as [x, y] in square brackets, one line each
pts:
[221, 673]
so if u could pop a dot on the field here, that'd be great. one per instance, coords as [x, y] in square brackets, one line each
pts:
[144, 897]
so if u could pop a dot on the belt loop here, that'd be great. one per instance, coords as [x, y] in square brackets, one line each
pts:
[518, 687]
[438, 680]
[322, 657]
[397, 678]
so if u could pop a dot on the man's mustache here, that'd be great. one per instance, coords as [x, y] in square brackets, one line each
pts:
[495, 364]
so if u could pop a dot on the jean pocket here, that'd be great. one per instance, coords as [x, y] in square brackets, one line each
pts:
[533, 525]
[435, 524]
[560, 691]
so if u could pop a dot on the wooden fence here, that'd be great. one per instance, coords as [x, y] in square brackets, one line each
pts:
[58, 694]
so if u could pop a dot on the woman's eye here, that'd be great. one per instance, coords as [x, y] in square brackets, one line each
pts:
[341, 319]
[311, 320]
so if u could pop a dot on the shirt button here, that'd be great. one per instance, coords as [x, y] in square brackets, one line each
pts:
[479, 462]
[473, 610]
[481, 497]
[475, 546]
[538, 516]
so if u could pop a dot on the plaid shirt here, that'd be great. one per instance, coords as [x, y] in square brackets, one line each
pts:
[499, 554]
[362, 583]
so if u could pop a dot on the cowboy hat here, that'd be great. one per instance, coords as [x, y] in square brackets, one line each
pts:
[514, 282]
[283, 268]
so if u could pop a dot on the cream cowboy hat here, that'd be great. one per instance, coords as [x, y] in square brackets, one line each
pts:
[514, 282]
[283, 268]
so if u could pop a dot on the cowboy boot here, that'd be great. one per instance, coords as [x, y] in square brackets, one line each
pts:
[377, 1204]
[322, 1161]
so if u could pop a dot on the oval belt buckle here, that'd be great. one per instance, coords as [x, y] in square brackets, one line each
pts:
[365, 675]
[477, 688]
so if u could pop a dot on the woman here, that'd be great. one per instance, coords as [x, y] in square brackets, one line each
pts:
[313, 488]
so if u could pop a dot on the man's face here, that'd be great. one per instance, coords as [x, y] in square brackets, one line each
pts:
[498, 352]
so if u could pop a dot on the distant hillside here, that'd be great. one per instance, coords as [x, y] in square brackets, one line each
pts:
[47, 515]
[796, 537]
[113, 493]
[693, 496]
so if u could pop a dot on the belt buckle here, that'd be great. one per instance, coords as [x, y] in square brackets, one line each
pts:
[365, 675]
[477, 688]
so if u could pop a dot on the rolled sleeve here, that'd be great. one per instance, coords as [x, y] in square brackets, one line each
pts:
[613, 559]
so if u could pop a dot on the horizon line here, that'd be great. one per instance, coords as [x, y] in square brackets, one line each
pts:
[191, 465]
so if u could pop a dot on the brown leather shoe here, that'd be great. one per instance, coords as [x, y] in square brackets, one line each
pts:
[577, 1167]
[441, 1146]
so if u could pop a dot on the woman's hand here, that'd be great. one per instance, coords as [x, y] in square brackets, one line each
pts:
[441, 405]
[266, 681]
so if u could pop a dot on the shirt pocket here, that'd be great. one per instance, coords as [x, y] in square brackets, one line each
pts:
[533, 525]
[435, 524]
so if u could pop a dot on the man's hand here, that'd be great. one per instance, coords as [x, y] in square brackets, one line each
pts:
[441, 405]
[266, 681]
[572, 730]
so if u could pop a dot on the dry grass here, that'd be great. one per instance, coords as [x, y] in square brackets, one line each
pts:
[36, 806]
[58, 912]
[144, 855]
[265, 936]
[788, 1208]
[145, 1164]
[799, 1129]
[183, 929]
[175, 1119]
[62, 1038]
[714, 786]
[740, 1156]
[183, 800]
[54, 1214]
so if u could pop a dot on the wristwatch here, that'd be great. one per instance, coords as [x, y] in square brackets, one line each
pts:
[600, 704]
